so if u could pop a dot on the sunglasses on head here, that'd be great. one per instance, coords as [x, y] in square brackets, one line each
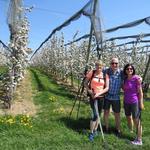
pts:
[114, 63]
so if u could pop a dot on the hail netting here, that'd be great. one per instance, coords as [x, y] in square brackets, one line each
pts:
[14, 15]
[91, 10]
[94, 12]
[4, 54]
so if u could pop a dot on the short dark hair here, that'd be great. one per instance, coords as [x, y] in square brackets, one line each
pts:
[125, 68]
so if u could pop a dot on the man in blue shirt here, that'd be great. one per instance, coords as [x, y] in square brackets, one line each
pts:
[112, 97]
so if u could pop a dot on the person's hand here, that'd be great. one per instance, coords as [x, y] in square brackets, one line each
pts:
[96, 95]
[142, 106]
[90, 92]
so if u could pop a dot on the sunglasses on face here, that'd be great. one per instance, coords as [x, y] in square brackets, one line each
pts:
[114, 63]
[129, 69]
[99, 66]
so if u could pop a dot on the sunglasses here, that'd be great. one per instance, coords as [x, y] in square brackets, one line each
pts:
[99, 66]
[129, 69]
[114, 63]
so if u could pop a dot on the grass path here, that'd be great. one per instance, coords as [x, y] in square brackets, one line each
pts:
[52, 129]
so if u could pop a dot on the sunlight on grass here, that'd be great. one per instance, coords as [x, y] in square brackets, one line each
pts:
[54, 129]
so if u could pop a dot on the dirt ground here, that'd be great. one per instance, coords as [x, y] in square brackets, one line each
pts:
[23, 99]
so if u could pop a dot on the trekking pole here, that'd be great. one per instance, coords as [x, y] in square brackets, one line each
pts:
[72, 108]
[80, 91]
[104, 140]
[78, 107]
[74, 103]
[100, 125]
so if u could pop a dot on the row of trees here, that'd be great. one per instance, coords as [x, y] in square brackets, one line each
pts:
[70, 61]
[15, 56]
[64, 62]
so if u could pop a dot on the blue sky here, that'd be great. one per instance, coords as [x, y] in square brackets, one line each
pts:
[49, 14]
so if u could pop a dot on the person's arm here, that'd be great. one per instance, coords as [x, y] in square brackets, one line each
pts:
[140, 94]
[123, 78]
[105, 89]
[122, 85]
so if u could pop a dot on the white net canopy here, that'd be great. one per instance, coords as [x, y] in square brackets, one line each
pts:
[14, 14]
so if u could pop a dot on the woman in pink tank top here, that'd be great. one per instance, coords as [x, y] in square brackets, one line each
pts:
[96, 84]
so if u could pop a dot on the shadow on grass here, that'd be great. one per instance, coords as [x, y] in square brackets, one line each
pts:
[126, 137]
[40, 86]
[60, 91]
[147, 99]
[63, 91]
[123, 135]
[79, 125]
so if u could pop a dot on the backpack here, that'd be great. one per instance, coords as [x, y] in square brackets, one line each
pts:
[89, 84]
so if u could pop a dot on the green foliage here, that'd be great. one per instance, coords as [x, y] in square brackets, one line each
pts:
[52, 129]
[3, 70]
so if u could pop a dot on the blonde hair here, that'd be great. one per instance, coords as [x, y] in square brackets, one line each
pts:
[99, 62]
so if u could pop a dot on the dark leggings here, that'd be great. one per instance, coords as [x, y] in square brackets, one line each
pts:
[96, 106]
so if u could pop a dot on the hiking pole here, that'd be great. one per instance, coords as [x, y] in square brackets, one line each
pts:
[100, 125]
[104, 141]
[78, 94]
[72, 108]
[74, 104]
[78, 107]
[80, 91]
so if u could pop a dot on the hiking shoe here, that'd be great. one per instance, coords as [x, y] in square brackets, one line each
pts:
[118, 133]
[137, 142]
[107, 131]
[91, 137]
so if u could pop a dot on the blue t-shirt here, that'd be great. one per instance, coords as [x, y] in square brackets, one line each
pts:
[115, 83]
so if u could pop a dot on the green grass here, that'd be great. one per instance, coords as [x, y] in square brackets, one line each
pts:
[52, 129]
[148, 94]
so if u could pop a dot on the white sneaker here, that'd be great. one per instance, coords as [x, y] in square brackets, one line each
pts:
[137, 142]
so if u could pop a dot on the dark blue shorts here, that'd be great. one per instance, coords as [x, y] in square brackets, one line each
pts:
[116, 106]
[131, 109]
